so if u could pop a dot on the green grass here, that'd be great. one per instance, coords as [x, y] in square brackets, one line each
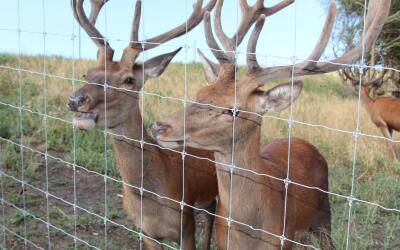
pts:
[324, 101]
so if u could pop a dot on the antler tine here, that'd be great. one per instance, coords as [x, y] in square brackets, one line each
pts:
[277, 7]
[324, 37]
[95, 8]
[221, 56]
[250, 15]
[310, 68]
[226, 42]
[136, 23]
[102, 45]
[252, 63]
[195, 18]
[132, 51]
[349, 75]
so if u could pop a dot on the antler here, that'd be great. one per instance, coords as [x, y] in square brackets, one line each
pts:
[249, 16]
[195, 18]
[105, 52]
[354, 76]
[348, 75]
[95, 6]
[135, 47]
[377, 13]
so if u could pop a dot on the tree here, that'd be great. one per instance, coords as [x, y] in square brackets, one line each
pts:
[349, 30]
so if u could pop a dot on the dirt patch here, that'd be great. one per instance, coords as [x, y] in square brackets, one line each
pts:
[88, 216]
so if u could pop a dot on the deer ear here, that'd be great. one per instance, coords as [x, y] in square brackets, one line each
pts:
[278, 98]
[155, 66]
[210, 69]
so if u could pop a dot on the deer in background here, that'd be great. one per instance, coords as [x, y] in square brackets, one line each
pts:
[246, 198]
[162, 169]
[383, 111]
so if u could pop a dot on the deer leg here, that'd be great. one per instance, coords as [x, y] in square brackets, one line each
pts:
[321, 225]
[149, 244]
[387, 132]
[189, 229]
[208, 226]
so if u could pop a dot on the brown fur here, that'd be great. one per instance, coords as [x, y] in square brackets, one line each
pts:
[384, 113]
[258, 201]
[162, 168]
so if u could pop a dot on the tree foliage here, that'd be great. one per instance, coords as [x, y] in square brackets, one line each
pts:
[349, 30]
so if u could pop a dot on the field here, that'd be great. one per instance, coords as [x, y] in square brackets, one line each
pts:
[326, 115]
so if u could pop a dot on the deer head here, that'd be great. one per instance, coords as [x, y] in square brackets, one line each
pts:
[369, 80]
[124, 78]
[227, 99]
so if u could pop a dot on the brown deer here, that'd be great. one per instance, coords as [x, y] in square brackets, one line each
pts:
[383, 111]
[255, 204]
[162, 169]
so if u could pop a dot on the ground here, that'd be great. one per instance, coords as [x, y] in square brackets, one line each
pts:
[89, 199]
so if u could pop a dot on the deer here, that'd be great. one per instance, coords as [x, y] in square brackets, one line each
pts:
[255, 209]
[162, 172]
[383, 111]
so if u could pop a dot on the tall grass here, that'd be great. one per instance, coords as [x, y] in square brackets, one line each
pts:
[325, 115]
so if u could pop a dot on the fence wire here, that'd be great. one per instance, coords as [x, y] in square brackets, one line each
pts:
[350, 198]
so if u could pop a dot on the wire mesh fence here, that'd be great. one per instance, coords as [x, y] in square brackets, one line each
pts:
[61, 187]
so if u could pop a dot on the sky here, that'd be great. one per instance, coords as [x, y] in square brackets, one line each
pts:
[290, 32]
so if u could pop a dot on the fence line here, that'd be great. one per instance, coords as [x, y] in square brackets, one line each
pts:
[233, 169]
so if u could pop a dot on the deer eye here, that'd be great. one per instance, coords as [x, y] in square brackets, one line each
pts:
[129, 80]
[84, 76]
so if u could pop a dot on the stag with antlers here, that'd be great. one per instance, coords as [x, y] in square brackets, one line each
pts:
[162, 172]
[255, 205]
[383, 111]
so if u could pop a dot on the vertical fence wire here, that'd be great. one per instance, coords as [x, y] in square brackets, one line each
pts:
[105, 220]
[3, 212]
[356, 133]
[73, 39]
[182, 204]
[45, 118]
[234, 111]
[290, 125]
[142, 96]
[21, 134]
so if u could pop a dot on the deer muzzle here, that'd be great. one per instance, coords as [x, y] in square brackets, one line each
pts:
[74, 102]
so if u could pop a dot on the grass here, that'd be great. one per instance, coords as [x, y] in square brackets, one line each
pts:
[325, 101]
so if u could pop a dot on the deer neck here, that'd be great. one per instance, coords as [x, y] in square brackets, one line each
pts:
[246, 155]
[366, 99]
[126, 139]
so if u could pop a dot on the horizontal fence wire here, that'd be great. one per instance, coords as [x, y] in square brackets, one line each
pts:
[191, 155]
[190, 47]
[142, 144]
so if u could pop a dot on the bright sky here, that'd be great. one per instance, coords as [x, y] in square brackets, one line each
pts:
[291, 31]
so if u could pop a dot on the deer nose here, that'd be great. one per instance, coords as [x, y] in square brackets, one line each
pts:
[159, 128]
[74, 102]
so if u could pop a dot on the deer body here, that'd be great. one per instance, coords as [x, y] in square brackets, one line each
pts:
[267, 195]
[226, 119]
[257, 201]
[162, 174]
[383, 111]
[116, 108]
